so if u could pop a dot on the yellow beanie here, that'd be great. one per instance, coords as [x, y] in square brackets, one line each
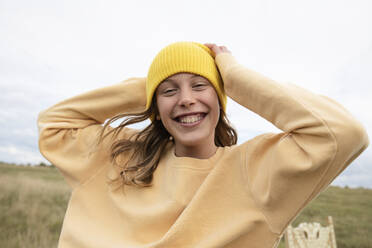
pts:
[179, 57]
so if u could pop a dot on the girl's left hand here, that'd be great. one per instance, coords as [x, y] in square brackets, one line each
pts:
[217, 49]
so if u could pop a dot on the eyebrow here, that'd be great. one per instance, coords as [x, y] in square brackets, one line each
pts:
[173, 81]
[169, 80]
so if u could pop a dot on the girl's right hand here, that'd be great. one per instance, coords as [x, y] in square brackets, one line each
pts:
[217, 49]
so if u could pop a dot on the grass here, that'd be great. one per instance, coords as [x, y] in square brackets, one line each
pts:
[33, 202]
[351, 210]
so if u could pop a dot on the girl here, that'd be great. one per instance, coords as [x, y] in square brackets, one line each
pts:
[185, 181]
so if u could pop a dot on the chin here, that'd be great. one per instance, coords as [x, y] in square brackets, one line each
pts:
[192, 140]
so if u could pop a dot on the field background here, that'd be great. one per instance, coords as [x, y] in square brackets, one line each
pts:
[33, 202]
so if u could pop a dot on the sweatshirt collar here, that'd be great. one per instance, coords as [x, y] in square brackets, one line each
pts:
[188, 162]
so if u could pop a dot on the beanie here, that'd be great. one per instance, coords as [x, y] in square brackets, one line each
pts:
[179, 57]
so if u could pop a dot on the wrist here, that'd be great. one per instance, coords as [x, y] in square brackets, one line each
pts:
[225, 62]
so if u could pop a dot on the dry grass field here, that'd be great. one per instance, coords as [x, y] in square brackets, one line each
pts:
[33, 201]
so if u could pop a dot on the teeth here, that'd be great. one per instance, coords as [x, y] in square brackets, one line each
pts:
[190, 118]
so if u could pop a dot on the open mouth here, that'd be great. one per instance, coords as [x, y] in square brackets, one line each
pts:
[190, 118]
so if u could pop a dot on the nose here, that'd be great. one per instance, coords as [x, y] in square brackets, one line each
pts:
[187, 98]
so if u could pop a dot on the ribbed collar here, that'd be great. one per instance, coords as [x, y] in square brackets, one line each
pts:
[172, 160]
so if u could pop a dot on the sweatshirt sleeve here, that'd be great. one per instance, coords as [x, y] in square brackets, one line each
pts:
[68, 130]
[320, 138]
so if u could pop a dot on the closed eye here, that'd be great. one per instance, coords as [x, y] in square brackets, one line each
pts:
[169, 91]
[199, 86]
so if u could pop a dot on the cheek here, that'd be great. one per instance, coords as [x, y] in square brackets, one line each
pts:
[214, 102]
[163, 108]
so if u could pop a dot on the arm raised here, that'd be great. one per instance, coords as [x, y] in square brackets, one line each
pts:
[69, 129]
[319, 139]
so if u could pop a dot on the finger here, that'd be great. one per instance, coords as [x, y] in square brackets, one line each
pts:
[210, 45]
[217, 49]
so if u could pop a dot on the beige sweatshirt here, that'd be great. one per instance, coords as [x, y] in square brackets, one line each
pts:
[243, 196]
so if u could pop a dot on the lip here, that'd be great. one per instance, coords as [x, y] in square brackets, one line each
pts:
[193, 124]
[191, 113]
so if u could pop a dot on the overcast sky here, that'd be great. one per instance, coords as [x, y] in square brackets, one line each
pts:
[51, 50]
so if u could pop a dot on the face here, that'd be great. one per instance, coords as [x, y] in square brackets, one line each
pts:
[189, 109]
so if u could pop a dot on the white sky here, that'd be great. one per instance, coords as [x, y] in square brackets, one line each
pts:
[51, 50]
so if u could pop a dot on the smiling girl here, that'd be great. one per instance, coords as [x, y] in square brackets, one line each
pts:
[182, 181]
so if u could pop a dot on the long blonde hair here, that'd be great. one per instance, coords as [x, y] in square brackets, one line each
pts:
[146, 146]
